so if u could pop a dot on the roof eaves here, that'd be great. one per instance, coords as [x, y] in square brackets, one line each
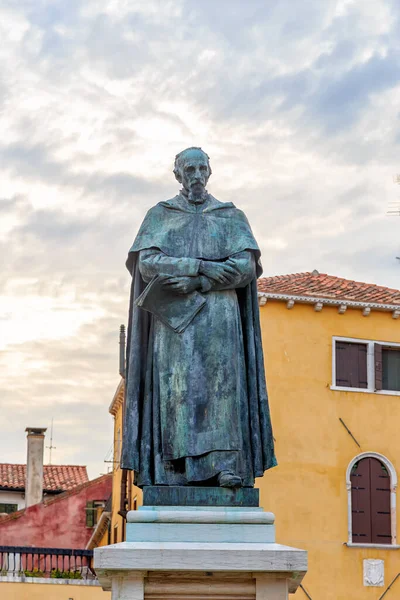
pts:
[99, 530]
[13, 516]
[57, 498]
[118, 398]
[330, 301]
[75, 490]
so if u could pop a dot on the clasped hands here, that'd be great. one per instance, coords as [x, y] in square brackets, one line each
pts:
[223, 273]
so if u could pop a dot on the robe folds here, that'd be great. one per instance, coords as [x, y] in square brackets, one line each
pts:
[196, 402]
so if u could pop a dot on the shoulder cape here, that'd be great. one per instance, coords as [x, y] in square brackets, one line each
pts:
[175, 228]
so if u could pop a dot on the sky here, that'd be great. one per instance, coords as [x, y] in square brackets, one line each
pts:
[297, 105]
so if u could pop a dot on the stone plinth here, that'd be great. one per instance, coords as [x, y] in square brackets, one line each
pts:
[163, 495]
[199, 553]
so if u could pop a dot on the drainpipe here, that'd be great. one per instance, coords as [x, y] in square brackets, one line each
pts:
[122, 350]
[34, 466]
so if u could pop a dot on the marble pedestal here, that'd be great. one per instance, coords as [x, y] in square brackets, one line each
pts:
[200, 553]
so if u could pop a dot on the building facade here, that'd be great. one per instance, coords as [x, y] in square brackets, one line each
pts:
[332, 359]
[125, 496]
[63, 521]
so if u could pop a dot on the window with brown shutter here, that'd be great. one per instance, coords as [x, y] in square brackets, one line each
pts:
[370, 502]
[351, 364]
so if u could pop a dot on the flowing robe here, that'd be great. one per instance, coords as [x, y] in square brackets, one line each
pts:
[196, 401]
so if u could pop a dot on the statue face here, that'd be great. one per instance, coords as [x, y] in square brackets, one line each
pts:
[194, 171]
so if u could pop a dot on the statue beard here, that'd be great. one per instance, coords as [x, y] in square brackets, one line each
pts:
[197, 195]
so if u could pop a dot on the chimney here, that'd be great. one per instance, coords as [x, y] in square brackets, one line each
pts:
[34, 466]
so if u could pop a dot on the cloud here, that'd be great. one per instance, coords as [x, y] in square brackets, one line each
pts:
[340, 101]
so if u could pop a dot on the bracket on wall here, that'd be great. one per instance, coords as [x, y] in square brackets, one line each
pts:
[348, 431]
[305, 591]
[389, 586]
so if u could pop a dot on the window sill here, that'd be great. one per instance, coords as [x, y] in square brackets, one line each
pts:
[375, 546]
[336, 388]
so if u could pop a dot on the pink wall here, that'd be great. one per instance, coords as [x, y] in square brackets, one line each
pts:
[58, 522]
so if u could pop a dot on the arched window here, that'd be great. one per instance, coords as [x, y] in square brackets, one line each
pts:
[371, 486]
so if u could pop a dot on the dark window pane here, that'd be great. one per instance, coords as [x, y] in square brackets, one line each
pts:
[8, 508]
[351, 365]
[90, 517]
[391, 369]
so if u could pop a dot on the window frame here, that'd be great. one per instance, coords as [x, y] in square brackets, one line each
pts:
[393, 493]
[92, 507]
[370, 389]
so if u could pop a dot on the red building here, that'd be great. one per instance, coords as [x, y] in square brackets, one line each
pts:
[66, 520]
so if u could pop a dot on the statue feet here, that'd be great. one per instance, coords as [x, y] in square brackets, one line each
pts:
[229, 480]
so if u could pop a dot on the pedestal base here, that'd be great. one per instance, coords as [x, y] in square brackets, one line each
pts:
[194, 553]
[186, 495]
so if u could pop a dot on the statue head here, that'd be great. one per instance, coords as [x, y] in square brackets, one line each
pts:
[192, 169]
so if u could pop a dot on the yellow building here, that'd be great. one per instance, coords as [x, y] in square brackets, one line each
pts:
[125, 495]
[332, 357]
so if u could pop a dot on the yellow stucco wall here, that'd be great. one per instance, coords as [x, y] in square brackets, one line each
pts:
[43, 591]
[117, 525]
[307, 491]
[104, 540]
[117, 522]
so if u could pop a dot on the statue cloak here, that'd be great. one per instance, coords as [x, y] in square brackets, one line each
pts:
[154, 443]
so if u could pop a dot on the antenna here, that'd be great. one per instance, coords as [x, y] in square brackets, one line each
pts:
[51, 447]
[394, 205]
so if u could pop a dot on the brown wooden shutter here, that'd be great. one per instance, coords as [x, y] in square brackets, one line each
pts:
[362, 375]
[342, 378]
[361, 502]
[351, 364]
[370, 500]
[378, 366]
[380, 503]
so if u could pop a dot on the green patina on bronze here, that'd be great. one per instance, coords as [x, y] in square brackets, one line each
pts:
[196, 401]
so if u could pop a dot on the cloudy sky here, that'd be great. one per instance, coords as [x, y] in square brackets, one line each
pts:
[297, 104]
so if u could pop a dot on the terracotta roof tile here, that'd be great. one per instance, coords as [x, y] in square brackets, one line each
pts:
[321, 285]
[56, 478]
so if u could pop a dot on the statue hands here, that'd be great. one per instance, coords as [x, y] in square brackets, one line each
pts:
[182, 285]
[221, 272]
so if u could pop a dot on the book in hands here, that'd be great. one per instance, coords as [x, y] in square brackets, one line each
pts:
[175, 311]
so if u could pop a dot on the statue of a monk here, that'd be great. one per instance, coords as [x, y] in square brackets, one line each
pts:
[196, 406]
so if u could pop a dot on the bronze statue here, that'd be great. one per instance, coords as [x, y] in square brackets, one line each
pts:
[196, 409]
